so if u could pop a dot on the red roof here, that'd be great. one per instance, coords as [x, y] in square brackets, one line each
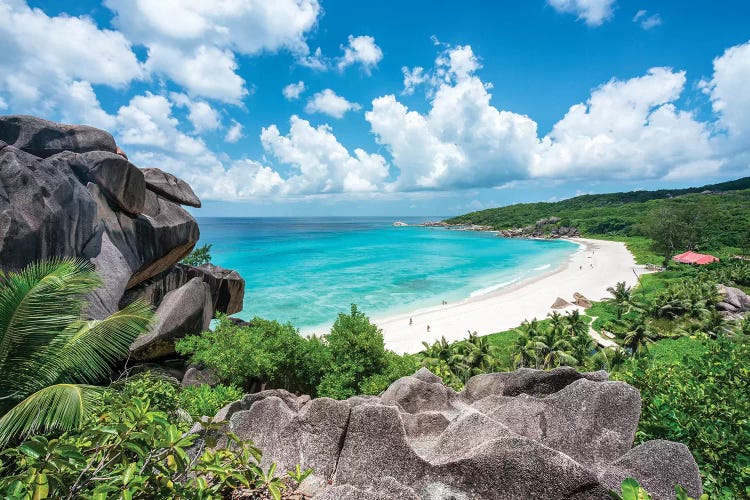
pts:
[694, 258]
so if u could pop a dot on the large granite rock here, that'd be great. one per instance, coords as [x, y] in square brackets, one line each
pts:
[732, 299]
[44, 211]
[43, 138]
[517, 435]
[182, 312]
[170, 187]
[120, 180]
[227, 286]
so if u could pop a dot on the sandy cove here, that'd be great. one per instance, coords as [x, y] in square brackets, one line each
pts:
[597, 265]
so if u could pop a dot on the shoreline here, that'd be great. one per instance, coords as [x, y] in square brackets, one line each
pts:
[596, 265]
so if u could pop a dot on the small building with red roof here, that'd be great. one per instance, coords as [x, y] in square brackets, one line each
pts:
[694, 258]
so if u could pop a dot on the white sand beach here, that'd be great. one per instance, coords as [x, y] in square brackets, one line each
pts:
[596, 266]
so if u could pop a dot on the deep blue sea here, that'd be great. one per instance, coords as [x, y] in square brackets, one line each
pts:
[307, 270]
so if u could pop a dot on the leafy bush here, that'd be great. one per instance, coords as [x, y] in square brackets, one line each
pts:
[204, 400]
[199, 256]
[704, 403]
[631, 490]
[131, 452]
[267, 353]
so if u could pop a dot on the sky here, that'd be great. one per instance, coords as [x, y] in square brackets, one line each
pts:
[426, 107]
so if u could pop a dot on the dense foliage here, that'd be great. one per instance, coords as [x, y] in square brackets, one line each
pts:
[674, 220]
[132, 451]
[703, 402]
[49, 352]
[199, 256]
[350, 360]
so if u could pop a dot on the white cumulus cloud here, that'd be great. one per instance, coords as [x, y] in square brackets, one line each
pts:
[645, 20]
[234, 133]
[329, 103]
[293, 90]
[321, 163]
[592, 12]
[360, 50]
[202, 116]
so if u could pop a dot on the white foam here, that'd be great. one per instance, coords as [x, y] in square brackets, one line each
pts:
[490, 289]
[541, 268]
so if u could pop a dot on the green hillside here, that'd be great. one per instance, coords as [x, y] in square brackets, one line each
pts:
[721, 211]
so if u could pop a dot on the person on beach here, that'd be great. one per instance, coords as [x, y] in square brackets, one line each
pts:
[428, 328]
[410, 321]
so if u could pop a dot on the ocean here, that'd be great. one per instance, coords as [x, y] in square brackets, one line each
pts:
[307, 270]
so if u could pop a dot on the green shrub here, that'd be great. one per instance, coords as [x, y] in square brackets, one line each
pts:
[204, 400]
[199, 256]
[703, 402]
[132, 451]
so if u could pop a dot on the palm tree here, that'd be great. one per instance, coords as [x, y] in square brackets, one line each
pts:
[621, 296]
[49, 352]
[609, 359]
[440, 350]
[575, 323]
[638, 337]
[524, 354]
[581, 347]
[473, 356]
[553, 350]
[557, 321]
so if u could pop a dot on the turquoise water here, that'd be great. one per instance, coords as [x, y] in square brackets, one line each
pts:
[307, 270]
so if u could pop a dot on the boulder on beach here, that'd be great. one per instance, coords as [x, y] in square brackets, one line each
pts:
[522, 434]
[560, 303]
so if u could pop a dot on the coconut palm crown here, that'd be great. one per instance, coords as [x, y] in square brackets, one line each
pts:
[50, 353]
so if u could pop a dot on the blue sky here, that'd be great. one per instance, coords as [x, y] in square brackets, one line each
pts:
[504, 102]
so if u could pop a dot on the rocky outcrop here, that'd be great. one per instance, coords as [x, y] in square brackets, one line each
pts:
[43, 138]
[69, 191]
[183, 311]
[170, 187]
[227, 287]
[543, 228]
[732, 300]
[522, 434]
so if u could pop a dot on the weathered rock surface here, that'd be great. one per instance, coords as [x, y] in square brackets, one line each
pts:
[170, 187]
[518, 435]
[70, 191]
[44, 211]
[195, 376]
[227, 286]
[183, 311]
[732, 299]
[43, 138]
[543, 228]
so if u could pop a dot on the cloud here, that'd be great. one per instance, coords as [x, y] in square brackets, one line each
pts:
[293, 90]
[647, 22]
[200, 113]
[328, 102]
[314, 61]
[728, 91]
[234, 133]
[462, 141]
[321, 164]
[360, 50]
[195, 43]
[412, 78]
[49, 64]
[627, 129]
[593, 12]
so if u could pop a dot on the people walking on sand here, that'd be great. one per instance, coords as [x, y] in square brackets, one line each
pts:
[410, 321]
[428, 328]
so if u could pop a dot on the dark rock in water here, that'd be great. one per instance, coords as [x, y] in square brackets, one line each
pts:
[194, 377]
[227, 286]
[183, 311]
[44, 211]
[517, 435]
[43, 138]
[120, 180]
[170, 187]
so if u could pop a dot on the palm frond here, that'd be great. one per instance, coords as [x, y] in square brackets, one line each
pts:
[36, 304]
[55, 408]
[92, 347]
